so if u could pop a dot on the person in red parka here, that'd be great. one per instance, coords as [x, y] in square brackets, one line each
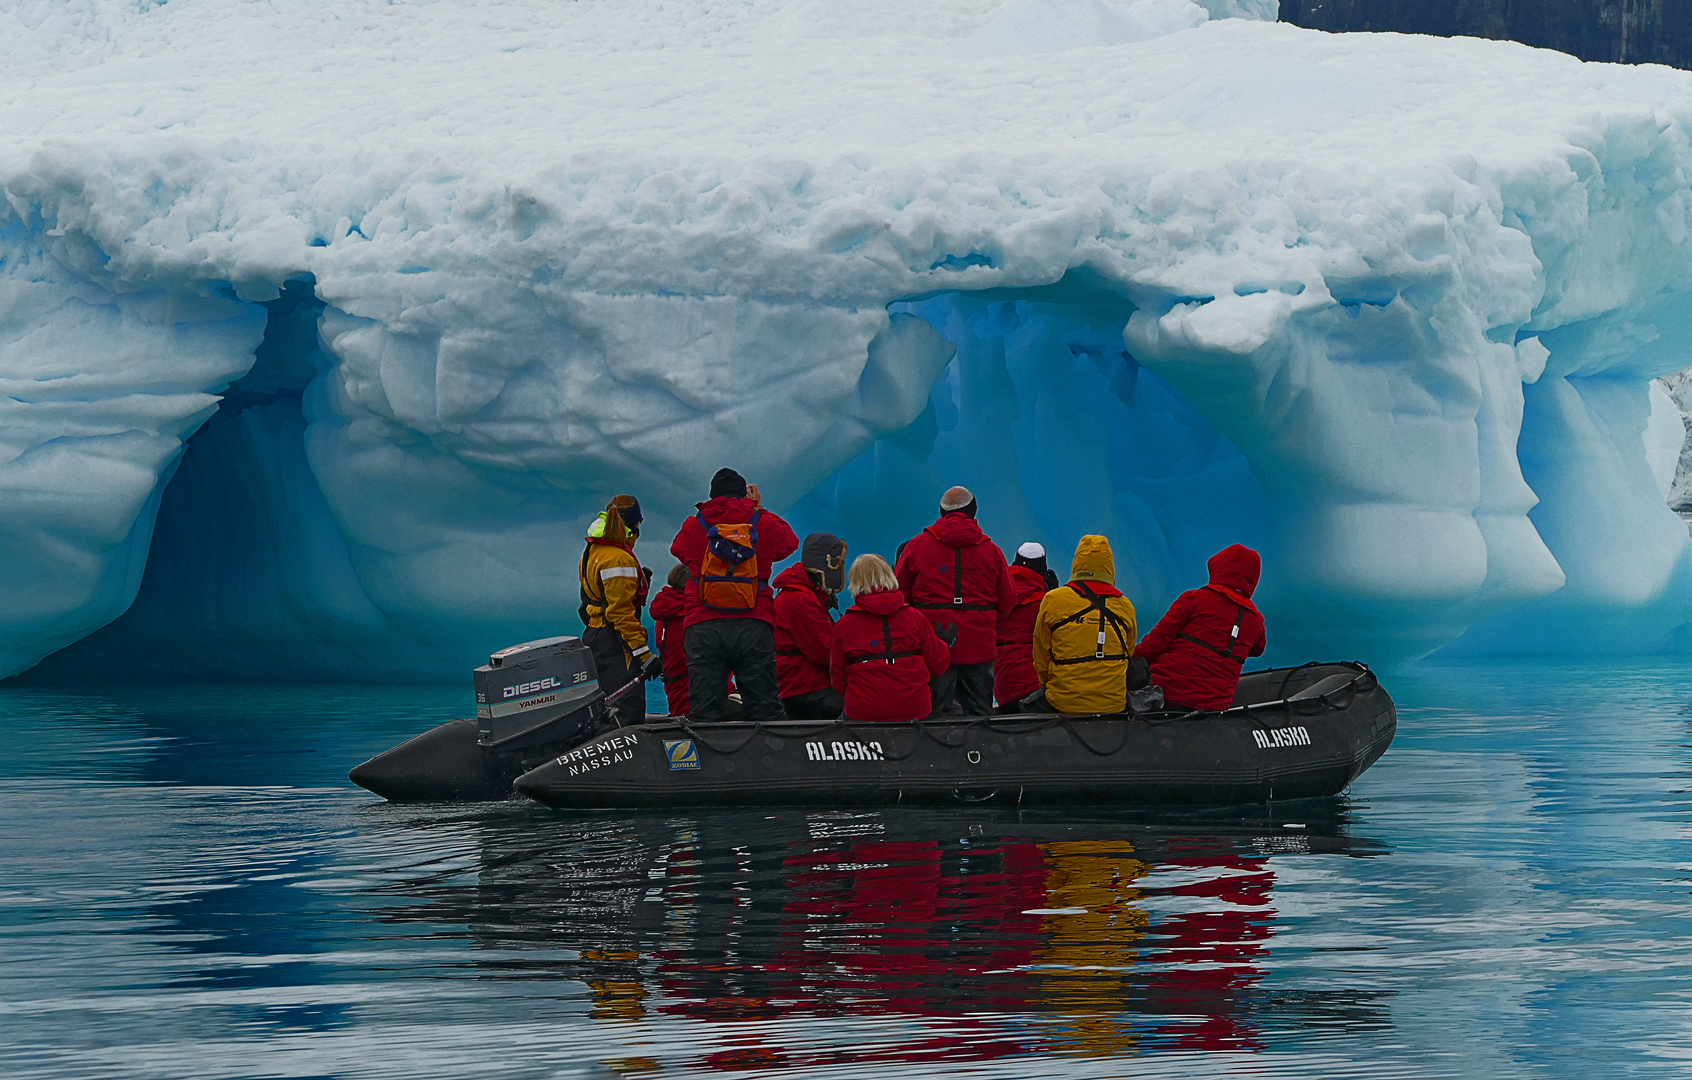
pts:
[736, 632]
[1199, 647]
[1013, 672]
[884, 652]
[668, 610]
[805, 598]
[955, 575]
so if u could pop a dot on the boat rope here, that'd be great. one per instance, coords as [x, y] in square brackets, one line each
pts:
[1127, 727]
[1307, 706]
[693, 733]
[1263, 714]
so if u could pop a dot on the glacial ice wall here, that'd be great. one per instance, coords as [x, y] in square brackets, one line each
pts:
[1387, 308]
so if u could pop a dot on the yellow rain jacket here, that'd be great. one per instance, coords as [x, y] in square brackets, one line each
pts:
[1084, 636]
[613, 585]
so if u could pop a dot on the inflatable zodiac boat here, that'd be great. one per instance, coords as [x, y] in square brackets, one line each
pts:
[533, 702]
[1293, 733]
[544, 727]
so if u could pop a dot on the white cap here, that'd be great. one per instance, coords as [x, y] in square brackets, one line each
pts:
[1031, 550]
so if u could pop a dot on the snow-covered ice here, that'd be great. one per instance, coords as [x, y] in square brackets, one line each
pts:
[1388, 308]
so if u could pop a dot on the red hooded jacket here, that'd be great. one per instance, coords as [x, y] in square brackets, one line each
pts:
[775, 543]
[1013, 671]
[1194, 655]
[953, 560]
[803, 632]
[668, 610]
[859, 667]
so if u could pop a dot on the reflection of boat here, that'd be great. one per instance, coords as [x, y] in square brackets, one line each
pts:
[974, 933]
[1293, 733]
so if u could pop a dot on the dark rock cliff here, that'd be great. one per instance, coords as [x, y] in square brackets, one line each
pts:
[1625, 31]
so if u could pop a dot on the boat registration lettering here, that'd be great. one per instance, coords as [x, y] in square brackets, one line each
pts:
[844, 751]
[1274, 738]
[584, 759]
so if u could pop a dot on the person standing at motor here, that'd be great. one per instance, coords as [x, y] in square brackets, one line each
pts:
[1084, 636]
[884, 654]
[730, 547]
[1199, 647]
[614, 586]
[958, 578]
[805, 598]
[669, 611]
[1013, 671]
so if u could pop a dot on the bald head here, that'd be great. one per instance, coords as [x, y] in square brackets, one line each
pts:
[958, 498]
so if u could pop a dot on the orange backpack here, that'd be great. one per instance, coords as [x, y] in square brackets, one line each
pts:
[728, 575]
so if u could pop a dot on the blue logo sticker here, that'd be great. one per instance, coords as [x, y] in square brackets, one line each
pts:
[682, 753]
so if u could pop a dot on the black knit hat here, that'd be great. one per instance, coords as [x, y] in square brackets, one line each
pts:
[728, 482]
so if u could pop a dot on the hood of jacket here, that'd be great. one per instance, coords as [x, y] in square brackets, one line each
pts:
[879, 603]
[794, 577]
[1093, 561]
[727, 508]
[956, 530]
[670, 603]
[1030, 584]
[1234, 571]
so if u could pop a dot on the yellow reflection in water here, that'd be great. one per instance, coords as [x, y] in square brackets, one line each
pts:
[615, 998]
[1088, 950]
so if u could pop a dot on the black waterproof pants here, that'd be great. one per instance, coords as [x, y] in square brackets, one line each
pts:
[963, 690]
[824, 704]
[744, 647]
[1033, 703]
[611, 661]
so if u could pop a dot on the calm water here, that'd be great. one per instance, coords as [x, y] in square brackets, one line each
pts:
[190, 887]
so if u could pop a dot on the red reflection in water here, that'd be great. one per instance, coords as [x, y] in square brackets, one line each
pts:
[1057, 929]
[1208, 957]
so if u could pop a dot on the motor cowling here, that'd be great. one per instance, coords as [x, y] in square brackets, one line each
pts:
[535, 691]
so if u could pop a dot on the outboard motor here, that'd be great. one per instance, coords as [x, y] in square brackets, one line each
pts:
[524, 692]
[534, 701]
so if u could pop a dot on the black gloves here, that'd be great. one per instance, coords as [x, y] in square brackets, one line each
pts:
[947, 633]
[652, 667]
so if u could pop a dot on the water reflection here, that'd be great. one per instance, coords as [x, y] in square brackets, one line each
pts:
[1108, 935]
[191, 888]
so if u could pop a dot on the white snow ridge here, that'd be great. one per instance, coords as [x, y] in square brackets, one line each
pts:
[420, 284]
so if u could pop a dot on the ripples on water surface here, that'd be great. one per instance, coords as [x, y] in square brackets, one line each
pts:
[190, 887]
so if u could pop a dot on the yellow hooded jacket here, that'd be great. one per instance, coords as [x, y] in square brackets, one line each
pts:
[1081, 653]
[611, 581]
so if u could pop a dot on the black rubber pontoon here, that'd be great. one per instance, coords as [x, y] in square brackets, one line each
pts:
[533, 702]
[1293, 733]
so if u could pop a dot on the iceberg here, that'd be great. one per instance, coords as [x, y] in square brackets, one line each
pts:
[324, 331]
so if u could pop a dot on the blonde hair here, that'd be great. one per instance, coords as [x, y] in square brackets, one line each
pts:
[871, 574]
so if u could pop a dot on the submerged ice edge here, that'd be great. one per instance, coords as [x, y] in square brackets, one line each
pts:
[1422, 391]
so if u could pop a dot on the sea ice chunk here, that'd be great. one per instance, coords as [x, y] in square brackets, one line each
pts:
[1238, 281]
[97, 393]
